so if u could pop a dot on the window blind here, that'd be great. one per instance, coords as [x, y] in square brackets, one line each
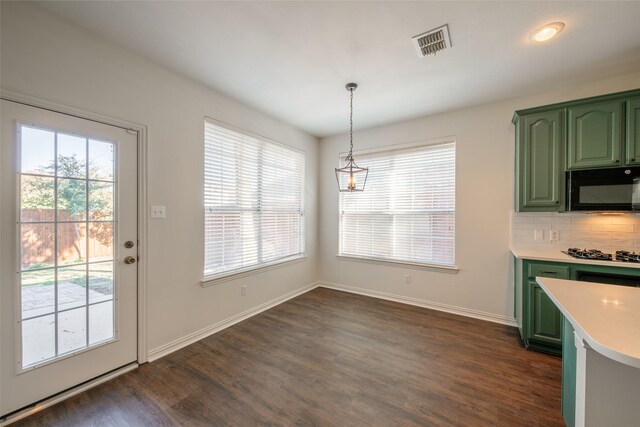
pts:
[253, 201]
[407, 211]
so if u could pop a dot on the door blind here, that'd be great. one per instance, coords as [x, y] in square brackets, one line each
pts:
[253, 201]
[407, 211]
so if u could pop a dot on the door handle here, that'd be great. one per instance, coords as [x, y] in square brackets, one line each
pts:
[130, 260]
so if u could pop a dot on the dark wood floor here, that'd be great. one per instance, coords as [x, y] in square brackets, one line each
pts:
[332, 358]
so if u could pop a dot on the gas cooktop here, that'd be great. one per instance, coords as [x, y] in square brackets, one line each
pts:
[598, 255]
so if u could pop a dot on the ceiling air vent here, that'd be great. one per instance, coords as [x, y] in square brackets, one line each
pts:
[432, 41]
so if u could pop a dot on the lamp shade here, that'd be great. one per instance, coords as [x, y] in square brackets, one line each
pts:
[351, 177]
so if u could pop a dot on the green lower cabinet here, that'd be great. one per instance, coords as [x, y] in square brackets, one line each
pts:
[541, 322]
[545, 324]
[568, 375]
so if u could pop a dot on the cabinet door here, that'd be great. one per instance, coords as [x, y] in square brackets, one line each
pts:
[594, 137]
[633, 131]
[541, 160]
[546, 320]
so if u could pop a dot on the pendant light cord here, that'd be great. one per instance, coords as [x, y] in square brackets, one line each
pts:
[351, 126]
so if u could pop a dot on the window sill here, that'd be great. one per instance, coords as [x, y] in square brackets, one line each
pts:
[225, 277]
[393, 263]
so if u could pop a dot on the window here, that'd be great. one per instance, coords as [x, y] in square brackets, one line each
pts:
[253, 202]
[407, 211]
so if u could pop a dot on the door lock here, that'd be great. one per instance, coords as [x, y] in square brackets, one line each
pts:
[128, 244]
[130, 260]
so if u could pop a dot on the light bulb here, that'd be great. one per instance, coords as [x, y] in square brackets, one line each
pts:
[547, 32]
[351, 184]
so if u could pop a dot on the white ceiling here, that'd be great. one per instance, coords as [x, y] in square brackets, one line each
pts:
[292, 59]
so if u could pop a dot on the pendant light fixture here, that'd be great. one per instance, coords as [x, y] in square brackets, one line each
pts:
[351, 177]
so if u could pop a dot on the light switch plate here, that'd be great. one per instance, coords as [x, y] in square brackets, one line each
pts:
[158, 212]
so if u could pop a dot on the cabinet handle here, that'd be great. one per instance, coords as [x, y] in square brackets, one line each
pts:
[548, 272]
[557, 201]
[633, 159]
[617, 161]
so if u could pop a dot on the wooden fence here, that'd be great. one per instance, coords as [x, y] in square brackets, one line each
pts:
[38, 240]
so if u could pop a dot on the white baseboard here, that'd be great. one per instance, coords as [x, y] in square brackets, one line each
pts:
[461, 311]
[186, 340]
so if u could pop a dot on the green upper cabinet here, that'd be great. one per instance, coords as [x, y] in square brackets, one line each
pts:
[598, 132]
[540, 161]
[633, 131]
[594, 137]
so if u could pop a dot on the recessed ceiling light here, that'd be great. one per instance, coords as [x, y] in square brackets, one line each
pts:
[547, 32]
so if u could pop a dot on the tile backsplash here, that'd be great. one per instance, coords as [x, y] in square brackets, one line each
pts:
[591, 231]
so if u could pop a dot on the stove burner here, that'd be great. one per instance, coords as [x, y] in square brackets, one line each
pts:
[626, 256]
[595, 254]
[590, 254]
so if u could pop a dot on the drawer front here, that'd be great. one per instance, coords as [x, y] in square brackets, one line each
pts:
[546, 270]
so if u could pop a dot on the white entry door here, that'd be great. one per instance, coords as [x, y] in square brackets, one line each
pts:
[68, 248]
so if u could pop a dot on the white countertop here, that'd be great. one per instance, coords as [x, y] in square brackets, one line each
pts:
[557, 256]
[607, 317]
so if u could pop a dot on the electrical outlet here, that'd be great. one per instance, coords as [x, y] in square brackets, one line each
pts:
[158, 212]
[554, 235]
[407, 279]
[243, 290]
[538, 235]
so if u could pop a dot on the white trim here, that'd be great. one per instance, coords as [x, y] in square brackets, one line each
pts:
[67, 394]
[236, 274]
[143, 232]
[191, 338]
[460, 311]
[249, 133]
[450, 269]
[418, 143]
[141, 130]
[32, 101]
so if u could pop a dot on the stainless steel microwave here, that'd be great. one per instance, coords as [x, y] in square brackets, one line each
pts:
[614, 189]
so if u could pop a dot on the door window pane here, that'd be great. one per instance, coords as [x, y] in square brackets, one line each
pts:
[101, 160]
[72, 330]
[37, 198]
[72, 156]
[100, 200]
[38, 292]
[100, 322]
[72, 243]
[100, 282]
[100, 241]
[37, 151]
[72, 287]
[37, 243]
[38, 340]
[72, 199]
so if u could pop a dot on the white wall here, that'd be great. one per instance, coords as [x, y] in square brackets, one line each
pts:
[47, 58]
[484, 135]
